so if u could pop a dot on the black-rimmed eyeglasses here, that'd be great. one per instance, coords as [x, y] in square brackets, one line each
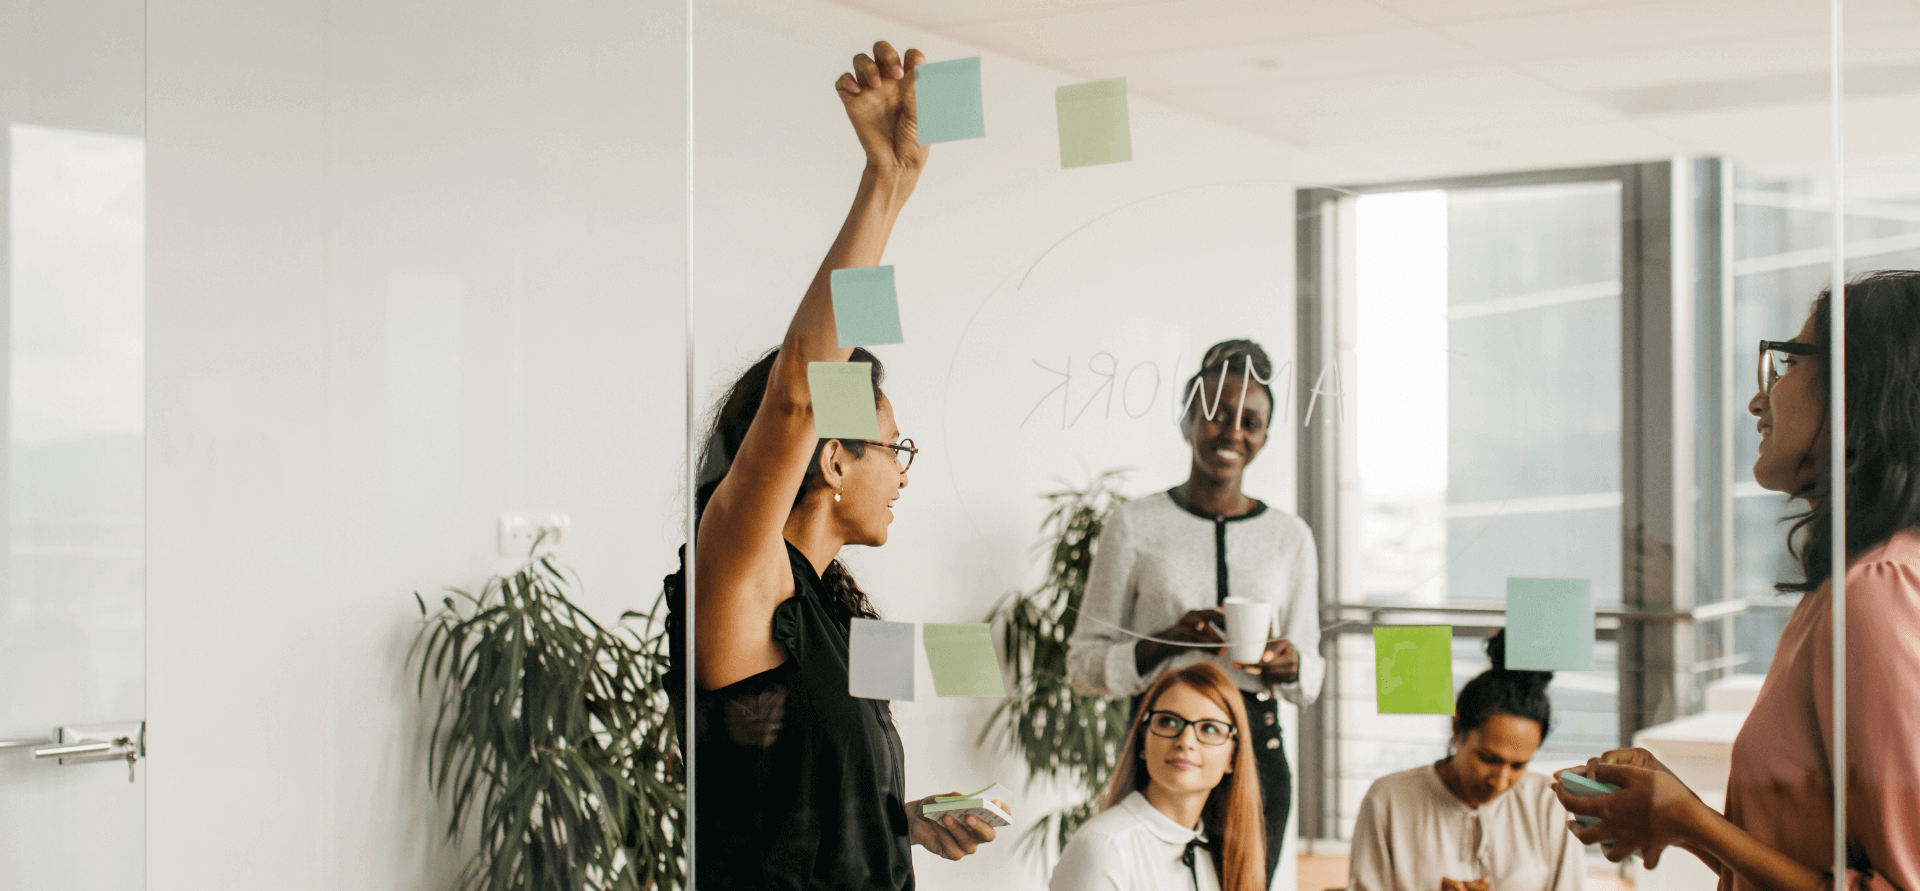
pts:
[903, 451]
[1207, 730]
[1774, 353]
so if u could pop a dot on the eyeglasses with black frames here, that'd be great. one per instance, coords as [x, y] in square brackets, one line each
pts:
[903, 451]
[1207, 730]
[1777, 355]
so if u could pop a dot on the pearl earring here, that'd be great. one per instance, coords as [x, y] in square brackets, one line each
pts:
[836, 496]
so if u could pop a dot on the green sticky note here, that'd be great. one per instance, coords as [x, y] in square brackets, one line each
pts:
[1414, 669]
[843, 403]
[1093, 123]
[1549, 625]
[962, 660]
[865, 311]
[947, 101]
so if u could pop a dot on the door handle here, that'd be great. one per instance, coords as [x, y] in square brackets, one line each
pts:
[92, 748]
[82, 744]
[7, 745]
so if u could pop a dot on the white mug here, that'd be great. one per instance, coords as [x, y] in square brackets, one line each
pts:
[1248, 623]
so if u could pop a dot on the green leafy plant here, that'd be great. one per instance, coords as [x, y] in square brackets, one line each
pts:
[553, 738]
[1060, 734]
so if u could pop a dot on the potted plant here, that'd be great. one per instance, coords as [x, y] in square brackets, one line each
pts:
[552, 738]
[1060, 734]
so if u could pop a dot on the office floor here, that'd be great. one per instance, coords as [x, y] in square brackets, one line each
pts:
[1322, 872]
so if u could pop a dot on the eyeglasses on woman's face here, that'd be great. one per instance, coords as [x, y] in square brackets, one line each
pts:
[903, 451]
[1776, 356]
[1207, 730]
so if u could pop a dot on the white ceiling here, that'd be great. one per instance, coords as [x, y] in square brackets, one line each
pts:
[1371, 90]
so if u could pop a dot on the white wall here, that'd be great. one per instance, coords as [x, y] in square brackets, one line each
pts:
[1002, 259]
[412, 265]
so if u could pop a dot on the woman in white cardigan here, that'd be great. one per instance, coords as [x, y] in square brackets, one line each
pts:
[1165, 562]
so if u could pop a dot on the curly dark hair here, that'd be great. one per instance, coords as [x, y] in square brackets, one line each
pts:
[1231, 357]
[730, 422]
[1883, 424]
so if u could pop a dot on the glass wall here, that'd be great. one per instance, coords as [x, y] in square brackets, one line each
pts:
[1499, 255]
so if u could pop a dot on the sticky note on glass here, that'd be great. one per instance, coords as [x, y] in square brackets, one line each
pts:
[865, 310]
[843, 404]
[947, 101]
[1093, 123]
[1413, 669]
[962, 660]
[880, 660]
[1549, 625]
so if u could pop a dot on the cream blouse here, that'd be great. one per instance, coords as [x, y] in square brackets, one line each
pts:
[1412, 830]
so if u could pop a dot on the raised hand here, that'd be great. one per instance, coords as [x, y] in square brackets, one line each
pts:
[878, 95]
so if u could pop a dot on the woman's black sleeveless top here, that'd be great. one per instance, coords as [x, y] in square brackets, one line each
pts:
[798, 785]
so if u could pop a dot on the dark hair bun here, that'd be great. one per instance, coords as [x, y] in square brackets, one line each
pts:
[1496, 647]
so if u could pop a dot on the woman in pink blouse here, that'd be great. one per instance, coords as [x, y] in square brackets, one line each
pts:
[1777, 833]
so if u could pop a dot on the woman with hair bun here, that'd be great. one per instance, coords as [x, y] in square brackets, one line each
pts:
[1178, 814]
[1476, 820]
[1166, 562]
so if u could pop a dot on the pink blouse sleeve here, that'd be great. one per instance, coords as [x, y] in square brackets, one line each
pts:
[1883, 722]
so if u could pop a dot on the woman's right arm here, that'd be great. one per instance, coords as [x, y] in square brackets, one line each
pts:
[741, 562]
[1090, 863]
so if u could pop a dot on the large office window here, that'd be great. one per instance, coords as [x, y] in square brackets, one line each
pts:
[1514, 353]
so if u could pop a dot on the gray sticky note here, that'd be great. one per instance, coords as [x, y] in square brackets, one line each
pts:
[1549, 625]
[865, 308]
[963, 661]
[947, 101]
[843, 401]
[880, 660]
[1093, 123]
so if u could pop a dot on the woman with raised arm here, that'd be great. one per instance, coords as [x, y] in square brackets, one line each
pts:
[797, 783]
[1476, 820]
[1167, 561]
[1182, 810]
[1777, 832]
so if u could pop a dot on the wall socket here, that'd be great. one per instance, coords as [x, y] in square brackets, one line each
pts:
[518, 532]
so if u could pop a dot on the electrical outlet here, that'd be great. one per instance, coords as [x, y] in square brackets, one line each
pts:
[518, 532]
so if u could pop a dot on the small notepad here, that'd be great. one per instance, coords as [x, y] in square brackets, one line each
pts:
[979, 804]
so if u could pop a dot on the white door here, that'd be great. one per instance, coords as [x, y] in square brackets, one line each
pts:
[72, 599]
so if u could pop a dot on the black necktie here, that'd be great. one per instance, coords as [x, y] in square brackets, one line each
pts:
[1192, 863]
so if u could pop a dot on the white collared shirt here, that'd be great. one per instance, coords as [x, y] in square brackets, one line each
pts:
[1133, 847]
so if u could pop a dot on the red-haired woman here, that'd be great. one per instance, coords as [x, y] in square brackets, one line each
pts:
[1178, 815]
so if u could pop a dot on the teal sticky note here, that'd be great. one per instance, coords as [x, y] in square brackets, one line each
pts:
[962, 660]
[1093, 123]
[947, 101]
[1413, 669]
[1549, 625]
[865, 308]
[843, 403]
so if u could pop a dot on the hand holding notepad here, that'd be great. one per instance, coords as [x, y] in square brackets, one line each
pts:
[985, 804]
